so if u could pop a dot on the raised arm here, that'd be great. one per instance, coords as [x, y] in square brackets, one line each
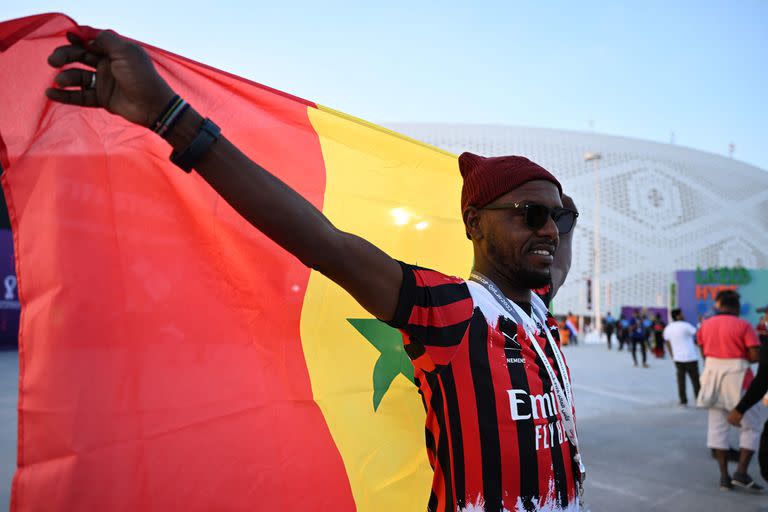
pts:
[128, 85]
[756, 390]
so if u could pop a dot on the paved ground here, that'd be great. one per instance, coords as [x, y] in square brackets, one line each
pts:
[9, 393]
[643, 452]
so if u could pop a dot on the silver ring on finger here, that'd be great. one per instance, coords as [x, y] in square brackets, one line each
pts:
[92, 84]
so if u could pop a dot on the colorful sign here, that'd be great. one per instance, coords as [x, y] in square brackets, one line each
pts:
[698, 288]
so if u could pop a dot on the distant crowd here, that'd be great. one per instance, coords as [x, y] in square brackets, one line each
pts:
[727, 387]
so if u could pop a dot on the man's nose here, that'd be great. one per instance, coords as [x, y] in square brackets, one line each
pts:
[549, 230]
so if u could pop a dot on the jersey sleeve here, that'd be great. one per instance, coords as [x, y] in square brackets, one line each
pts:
[433, 313]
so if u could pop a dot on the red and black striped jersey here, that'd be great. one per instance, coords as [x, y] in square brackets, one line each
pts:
[493, 432]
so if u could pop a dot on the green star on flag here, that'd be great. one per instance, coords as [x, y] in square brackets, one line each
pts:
[393, 359]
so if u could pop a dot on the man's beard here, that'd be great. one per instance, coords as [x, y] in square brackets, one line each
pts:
[532, 280]
[516, 274]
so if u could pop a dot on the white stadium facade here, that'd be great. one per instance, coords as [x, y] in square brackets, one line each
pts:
[663, 207]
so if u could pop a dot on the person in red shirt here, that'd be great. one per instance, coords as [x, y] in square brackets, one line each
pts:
[500, 426]
[729, 344]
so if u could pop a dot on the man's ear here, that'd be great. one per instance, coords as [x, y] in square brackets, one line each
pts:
[471, 217]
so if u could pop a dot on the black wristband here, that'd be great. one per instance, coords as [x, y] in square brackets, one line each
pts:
[206, 136]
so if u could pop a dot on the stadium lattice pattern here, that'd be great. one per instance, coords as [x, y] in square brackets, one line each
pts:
[664, 207]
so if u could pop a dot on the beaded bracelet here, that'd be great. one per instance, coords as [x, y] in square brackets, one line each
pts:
[171, 121]
[170, 115]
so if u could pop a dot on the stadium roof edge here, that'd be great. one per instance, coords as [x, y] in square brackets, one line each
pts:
[396, 126]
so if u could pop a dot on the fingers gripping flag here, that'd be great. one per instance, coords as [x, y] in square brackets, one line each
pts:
[171, 356]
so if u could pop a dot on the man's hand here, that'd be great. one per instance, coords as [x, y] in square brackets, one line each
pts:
[734, 418]
[126, 83]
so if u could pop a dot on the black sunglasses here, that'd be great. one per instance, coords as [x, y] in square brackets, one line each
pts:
[537, 215]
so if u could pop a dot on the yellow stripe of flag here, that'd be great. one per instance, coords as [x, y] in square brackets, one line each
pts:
[403, 196]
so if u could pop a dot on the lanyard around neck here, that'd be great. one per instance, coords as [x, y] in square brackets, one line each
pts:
[562, 393]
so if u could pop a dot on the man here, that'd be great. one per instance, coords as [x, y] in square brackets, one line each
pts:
[572, 322]
[638, 335]
[679, 337]
[647, 325]
[562, 263]
[609, 324]
[563, 254]
[623, 332]
[729, 344]
[499, 425]
[657, 332]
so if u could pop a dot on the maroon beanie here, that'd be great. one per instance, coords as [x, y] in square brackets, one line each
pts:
[486, 178]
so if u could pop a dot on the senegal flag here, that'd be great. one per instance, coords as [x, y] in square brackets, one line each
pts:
[171, 356]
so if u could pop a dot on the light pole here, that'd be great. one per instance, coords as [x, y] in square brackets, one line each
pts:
[596, 157]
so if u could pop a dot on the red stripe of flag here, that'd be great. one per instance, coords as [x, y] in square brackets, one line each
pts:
[161, 365]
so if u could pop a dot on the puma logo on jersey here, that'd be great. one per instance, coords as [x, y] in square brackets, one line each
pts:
[513, 351]
[513, 339]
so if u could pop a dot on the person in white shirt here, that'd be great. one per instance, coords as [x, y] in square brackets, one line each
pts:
[679, 336]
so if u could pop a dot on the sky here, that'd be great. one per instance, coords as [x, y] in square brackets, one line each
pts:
[690, 72]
